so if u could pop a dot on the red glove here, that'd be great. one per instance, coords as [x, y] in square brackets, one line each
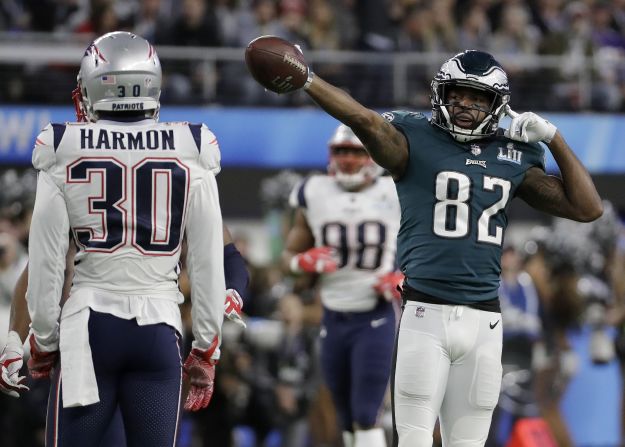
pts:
[389, 285]
[315, 260]
[233, 307]
[199, 369]
[40, 363]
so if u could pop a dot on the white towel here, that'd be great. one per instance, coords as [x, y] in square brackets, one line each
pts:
[80, 387]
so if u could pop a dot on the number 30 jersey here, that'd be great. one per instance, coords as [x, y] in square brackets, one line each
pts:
[361, 226]
[454, 198]
[128, 192]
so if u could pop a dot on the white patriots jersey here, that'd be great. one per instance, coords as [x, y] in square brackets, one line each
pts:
[129, 192]
[361, 226]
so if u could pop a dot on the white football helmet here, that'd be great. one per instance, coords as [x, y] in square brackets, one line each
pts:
[349, 175]
[119, 72]
[477, 70]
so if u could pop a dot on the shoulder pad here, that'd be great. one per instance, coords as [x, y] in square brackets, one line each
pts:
[402, 115]
[210, 155]
[44, 150]
[297, 198]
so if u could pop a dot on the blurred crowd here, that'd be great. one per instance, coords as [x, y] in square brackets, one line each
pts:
[556, 279]
[589, 35]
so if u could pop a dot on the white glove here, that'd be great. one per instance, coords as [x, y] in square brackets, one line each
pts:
[529, 127]
[233, 307]
[11, 361]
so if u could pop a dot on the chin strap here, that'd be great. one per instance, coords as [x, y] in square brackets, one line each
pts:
[81, 116]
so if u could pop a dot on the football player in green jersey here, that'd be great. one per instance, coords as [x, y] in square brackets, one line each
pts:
[455, 175]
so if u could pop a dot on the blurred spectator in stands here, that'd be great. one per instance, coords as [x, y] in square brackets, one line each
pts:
[515, 36]
[445, 24]
[227, 16]
[574, 43]
[609, 58]
[293, 18]
[190, 82]
[372, 82]
[282, 377]
[547, 15]
[13, 16]
[261, 19]
[56, 15]
[102, 19]
[516, 41]
[324, 33]
[13, 259]
[17, 196]
[522, 332]
[417, 33]
[616, 316]
[148, 19]
[293, 367]
[417, 30]
[474, 31]
[554, 262]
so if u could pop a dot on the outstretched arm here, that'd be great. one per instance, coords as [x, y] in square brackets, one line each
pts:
[573, 196]
[387, 145]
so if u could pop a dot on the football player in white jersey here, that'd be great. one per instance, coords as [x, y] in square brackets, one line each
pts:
[345, 229]
[128, 188]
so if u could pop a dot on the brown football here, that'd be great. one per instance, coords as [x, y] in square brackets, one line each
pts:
[276, 64]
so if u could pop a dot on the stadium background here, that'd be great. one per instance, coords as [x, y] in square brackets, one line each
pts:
[566, 60]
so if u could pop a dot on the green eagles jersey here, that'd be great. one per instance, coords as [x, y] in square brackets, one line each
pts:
[454, 198]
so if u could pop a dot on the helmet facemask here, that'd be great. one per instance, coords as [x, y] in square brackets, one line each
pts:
[474, 70]
[343, 141]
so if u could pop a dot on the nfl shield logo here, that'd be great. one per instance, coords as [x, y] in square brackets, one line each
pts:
[419, 312]
[475, 150]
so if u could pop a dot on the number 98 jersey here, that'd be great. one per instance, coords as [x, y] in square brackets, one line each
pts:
[454, 198]
[361, 226]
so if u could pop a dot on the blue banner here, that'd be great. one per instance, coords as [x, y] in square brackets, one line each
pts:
[297, 138]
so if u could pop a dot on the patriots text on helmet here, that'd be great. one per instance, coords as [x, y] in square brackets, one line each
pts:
[142, 140]
[127, 106]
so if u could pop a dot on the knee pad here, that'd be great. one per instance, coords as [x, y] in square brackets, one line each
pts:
[417, 371]
[348, 439]
[415, 437]
[487, 383]
[373, 437]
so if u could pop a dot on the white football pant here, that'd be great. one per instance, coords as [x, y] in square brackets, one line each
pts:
[448, 366]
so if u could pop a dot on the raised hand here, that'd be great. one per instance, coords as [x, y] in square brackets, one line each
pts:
[11, 361]
[233, 307]
[389, 285]
[315, 260]
[529, 127]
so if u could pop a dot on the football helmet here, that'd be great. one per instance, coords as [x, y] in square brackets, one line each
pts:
[476, 70]
[350, 173]
[119, 72]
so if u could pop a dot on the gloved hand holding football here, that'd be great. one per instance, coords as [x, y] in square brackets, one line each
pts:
[277, 64]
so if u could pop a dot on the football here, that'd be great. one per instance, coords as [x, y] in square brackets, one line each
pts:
[276, 64]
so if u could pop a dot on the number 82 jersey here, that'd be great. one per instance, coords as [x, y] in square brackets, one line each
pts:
[454, 198]
[361, 226]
